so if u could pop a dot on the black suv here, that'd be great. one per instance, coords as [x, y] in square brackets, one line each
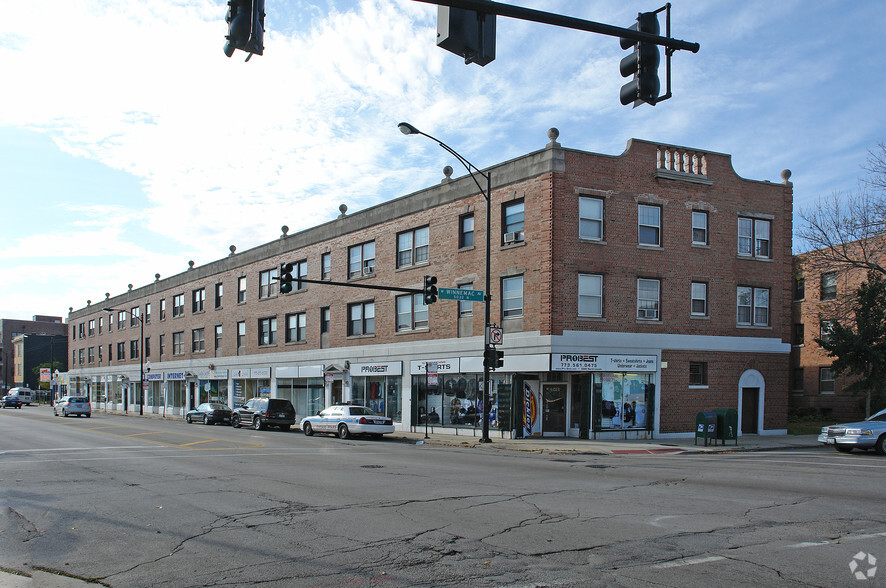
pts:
[261, 412]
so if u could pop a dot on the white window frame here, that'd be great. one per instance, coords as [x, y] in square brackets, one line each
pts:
[267, 284]
[756, 306]
[827, 380]
[364, 318]
[590, 218]
[699, 227]
[648, 309]
[267, 331]
[644, 221]
[590, 295]
[296, 327]
[198, 340]
[512, 304]
[361, 260]
[413, 247]
[754, 237]
[698, 291]
[412, 313]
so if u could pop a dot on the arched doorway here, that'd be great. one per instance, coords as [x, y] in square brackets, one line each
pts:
[751, 395]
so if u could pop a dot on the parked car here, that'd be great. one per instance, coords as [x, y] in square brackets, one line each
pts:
[26, 395]
[10, 401]
[68, 405]
[867, 434]
[345, 420]
[263, 412]
[210, 413]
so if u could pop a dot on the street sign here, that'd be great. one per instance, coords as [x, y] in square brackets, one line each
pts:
[494, 335]
[460, 294]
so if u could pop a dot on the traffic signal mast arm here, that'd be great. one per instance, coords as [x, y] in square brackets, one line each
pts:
[497, 8]
[357, 285]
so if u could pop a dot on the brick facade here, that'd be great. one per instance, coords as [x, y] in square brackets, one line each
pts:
[550, 257]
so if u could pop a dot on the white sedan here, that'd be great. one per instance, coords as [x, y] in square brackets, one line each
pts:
[345, 420]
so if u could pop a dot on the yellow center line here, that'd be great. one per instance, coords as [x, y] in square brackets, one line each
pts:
[197, 442]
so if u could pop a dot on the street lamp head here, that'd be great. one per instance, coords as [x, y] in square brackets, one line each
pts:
[408, 129]
[108, 309]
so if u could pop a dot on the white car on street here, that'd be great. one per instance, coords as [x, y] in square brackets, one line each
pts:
[345, 420]
[867, 434]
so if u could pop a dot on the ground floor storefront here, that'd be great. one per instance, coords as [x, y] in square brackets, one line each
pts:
[579, 388]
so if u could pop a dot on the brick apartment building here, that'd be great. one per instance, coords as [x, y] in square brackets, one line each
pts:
[824, 293]
[634, 291]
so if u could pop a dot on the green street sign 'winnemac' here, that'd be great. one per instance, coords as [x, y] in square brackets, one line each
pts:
[460, 294]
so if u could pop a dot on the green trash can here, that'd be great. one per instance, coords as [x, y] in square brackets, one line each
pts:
[727, 424]
[706, 427]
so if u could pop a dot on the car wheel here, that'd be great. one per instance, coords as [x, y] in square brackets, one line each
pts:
[88, 414]
[308, 429]
[188, 419]
[343, 432]
[257, 424]
[284, 427]
[206, 420]
[843, 448]
[65, 413]
[235, 421]
[880, 447]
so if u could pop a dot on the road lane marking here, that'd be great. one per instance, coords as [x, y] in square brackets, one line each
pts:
[692, 561]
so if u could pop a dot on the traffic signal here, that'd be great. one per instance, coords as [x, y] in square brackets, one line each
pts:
[642, 64]
[466, 33]
[285, 278]
[493, 358]
[430, 289]
[246, 27]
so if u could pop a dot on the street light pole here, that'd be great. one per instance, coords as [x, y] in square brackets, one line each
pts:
[141, 361]
[408, 129]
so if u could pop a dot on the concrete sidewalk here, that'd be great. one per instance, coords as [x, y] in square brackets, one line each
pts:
[561, 445]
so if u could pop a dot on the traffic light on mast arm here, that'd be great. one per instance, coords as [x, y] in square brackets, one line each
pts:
[246, 27]
[493, 358]
[430, 289]
[642, 64]
[467, 33]
[285, 278]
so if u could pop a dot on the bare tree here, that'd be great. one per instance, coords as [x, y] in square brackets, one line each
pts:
[845, 231]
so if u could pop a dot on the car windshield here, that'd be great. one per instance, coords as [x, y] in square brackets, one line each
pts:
[362, 410]
[880, 416]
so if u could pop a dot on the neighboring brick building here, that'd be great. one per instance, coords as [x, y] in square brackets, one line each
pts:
[823, 293]
[634, 292]
[12, 328]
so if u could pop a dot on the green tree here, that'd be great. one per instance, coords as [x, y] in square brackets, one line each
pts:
[860, 349]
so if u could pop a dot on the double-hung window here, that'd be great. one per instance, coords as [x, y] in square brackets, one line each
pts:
[826, 329]
[649, 225]
[134, 314]
[590, 295]
[121, 351]
[241, 335]
[590, 218]
[412, 247]
[648, 299]
[133, 349]
[699, 227]
[267, 331]
[412, 312]
[698, 373]
[198, 300]
[296, 327]
[219, 294]
[178, 343]
[512, 297]
[826, 380]
[325, 266]
[828, 286]
[178, 306]
[121, 322]
[241, 289]
[361, 260]
[512, 224]
[753, 306]
[267, 283]
[466, 307]
[698, 299]
[218, 337]
[466, 231]
[198, 341]
[162, 312]
[754, 238]
[361, 318]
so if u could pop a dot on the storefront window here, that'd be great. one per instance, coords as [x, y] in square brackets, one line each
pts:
[175, 393]
[380, 394]
[246, 389]
[305, 394]
[212, 391]
[623, 401]
[458, 401]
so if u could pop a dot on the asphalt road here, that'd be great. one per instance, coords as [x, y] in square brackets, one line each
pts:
[126, 501]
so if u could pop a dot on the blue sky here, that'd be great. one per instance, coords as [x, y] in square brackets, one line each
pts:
[129, 143]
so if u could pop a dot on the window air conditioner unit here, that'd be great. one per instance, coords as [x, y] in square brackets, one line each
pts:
[514, 237]
[648, 313]
[368, 271]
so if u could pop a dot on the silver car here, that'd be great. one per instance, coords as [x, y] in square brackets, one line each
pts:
[345, 420]
[78, 405]
[867, 434]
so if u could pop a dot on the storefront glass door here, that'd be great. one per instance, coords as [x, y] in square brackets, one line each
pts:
[553, 412]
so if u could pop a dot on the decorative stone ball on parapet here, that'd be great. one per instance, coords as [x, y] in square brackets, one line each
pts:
[107, 295]
[190, 265]
[130, 287]
[156, 277]
[233, 249]
[553, 135]
[343, 209]
[285, 230]
[786, 176]
[89, 303]
[447, 174]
